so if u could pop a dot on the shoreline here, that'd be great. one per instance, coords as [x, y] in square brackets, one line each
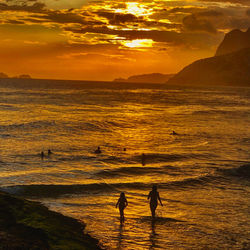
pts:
[30, 225]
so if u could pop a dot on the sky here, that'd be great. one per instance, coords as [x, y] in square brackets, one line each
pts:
[103, 40]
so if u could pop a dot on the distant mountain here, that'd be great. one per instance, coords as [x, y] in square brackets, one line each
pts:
[3, 75]
[230, 69]
[147, 78]
[24, 76]
[233, 41]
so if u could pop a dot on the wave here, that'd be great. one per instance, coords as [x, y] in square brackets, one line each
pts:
[97, 188]
[242, 171]
[29, 125]
[125, 171]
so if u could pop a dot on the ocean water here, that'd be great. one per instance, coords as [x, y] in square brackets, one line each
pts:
[203, 173]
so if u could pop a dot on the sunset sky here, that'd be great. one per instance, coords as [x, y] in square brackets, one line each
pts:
[103, 40]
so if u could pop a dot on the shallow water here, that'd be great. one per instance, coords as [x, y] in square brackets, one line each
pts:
[204, 189]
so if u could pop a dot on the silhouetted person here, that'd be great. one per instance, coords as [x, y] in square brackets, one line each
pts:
[124, 149]
[98, 151]
[49, 152]
[42, 155]
[143, 159]
[122, 202]
[154, 197]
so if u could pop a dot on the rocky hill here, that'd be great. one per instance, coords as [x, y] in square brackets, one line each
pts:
[147, 78]
[230, 66]
[229, 69]
[233, 41]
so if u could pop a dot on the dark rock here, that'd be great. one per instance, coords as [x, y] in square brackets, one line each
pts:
[229, 69]
[233, 41]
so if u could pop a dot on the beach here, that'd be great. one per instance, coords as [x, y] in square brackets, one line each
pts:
[201, 170]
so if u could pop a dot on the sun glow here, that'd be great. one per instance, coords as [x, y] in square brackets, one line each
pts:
[138, 43]
[136, 9]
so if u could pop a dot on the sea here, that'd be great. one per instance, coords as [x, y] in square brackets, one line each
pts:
[202, 171]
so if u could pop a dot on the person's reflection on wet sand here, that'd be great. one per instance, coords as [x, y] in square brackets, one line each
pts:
[152, 236]
[120, 236]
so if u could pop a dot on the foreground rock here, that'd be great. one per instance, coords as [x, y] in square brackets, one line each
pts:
[30, 225]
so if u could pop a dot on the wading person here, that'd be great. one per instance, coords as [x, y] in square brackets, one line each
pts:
[122, 203]
[154, 197]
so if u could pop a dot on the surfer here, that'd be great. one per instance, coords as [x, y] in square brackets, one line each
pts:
[122, 202]
[174, 133]
[98, 151]
[154, 197]
[143, 159]
[42, 155]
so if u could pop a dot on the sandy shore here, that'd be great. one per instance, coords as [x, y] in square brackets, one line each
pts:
[30, 225]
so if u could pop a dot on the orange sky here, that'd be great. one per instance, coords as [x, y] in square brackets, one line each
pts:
[103, 40]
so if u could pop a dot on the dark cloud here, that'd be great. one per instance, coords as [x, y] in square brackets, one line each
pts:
[119, 18]
[243, 2]
[123, 19]
[14, 22]
[67, 17]
[193, 23]
[36, 7]
[169, 37]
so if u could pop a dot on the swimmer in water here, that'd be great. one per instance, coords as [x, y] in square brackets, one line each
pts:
[42, 155]
[143, 159]
[98, 151]
[122, 202]
[154, 197]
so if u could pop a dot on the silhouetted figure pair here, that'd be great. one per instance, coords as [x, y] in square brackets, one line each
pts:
[122, 203]
[43, 155]
[153, 196]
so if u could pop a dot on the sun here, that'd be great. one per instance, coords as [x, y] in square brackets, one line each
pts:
[135, 8]
[138, 43]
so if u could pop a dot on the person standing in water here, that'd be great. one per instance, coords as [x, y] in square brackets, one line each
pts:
[154, 197]
[143, 159]
[42, 155]
[122, 202]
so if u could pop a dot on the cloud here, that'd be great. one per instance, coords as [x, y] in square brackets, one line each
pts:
[67, 17]
[35, 7]
[119, 18]
[167, 38]
[199, 23]
[243, 2]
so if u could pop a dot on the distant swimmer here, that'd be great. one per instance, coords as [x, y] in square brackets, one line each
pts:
[49, 152]
[154, 197]
[42, 155]
[143, 159]
[122, 202]
[174, 133]
[98, 151]
[124, 149]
